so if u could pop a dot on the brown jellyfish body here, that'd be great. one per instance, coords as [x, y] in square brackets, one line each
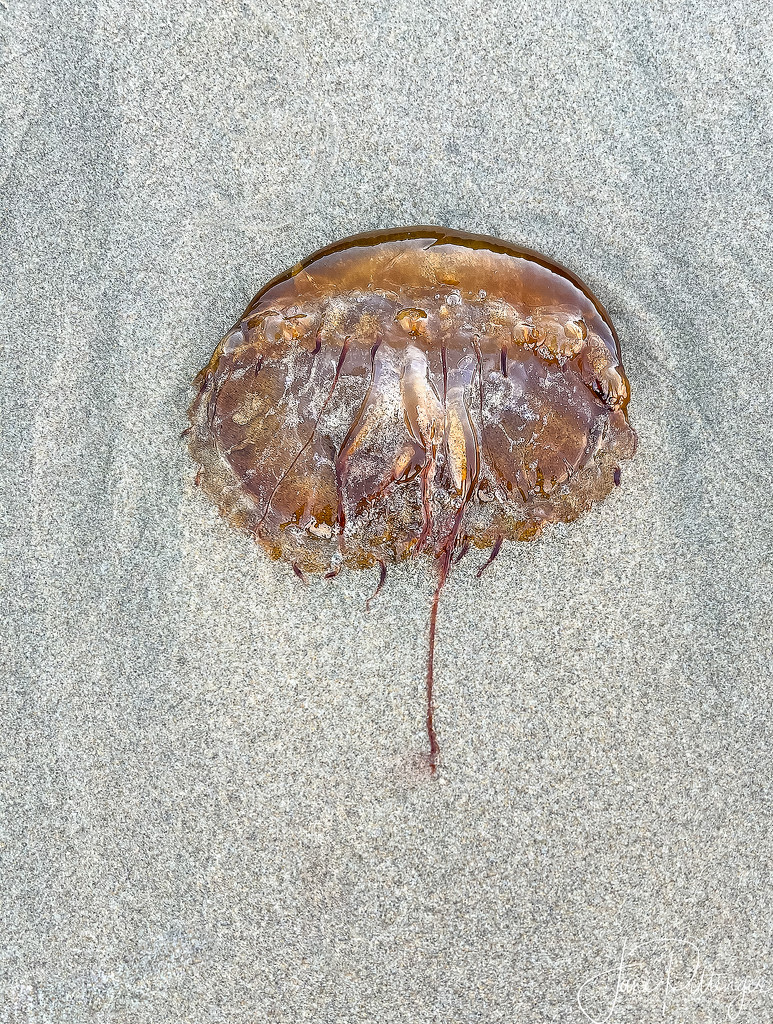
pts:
[411, 391]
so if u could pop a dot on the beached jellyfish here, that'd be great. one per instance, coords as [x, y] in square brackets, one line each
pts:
[408, 392]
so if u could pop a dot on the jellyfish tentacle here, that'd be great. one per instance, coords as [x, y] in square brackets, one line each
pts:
[444, 563]
[379, 585]
[494, 552]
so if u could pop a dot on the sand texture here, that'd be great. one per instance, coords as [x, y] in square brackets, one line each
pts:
[213, 809]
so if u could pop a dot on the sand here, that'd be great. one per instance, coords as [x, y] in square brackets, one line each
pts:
[212, 804]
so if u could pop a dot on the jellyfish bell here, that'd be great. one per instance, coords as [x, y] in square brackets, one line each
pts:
[412, 392]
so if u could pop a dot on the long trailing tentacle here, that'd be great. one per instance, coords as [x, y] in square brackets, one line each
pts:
[434, 746]
[445, 558]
